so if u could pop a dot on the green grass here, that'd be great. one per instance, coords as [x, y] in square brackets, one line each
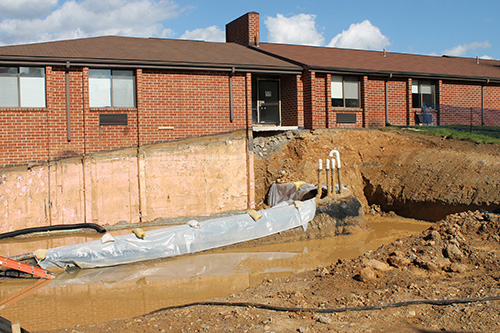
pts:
[478, 134]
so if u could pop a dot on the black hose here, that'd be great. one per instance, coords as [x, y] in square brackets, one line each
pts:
[94, 226]
[332, 310]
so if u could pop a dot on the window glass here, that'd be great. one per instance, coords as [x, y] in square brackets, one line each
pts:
[414, 87]
[345, 91]
[32, 87]
[8, 70]
[428, 99]
[337, 91]
[111, 88]
[423, 91]
[8, 91]
[99, 88]
[22, 87]
[123, 89]
[425, 88]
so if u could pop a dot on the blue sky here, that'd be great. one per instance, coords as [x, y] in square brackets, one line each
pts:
[453, 27]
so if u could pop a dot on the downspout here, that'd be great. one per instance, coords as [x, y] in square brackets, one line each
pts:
[68, 109]
[387, 101]
[231, 110]
[482, 101]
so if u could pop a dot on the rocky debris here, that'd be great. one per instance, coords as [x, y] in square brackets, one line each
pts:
[264, 145]
[443, 247]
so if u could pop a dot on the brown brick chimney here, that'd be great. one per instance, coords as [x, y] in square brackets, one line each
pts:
[244, 29]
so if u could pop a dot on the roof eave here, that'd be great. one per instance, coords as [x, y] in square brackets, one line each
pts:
[121, 63]
[360, 71]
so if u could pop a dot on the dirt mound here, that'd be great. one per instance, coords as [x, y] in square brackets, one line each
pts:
[416, 175]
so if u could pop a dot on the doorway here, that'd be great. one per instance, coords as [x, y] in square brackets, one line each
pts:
[268, 102]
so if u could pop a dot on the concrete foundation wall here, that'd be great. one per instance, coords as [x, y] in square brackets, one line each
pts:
[193, 177]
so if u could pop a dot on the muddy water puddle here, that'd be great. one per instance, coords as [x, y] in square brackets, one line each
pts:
[99, 295]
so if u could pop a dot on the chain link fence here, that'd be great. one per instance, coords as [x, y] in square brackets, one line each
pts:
[461, 118]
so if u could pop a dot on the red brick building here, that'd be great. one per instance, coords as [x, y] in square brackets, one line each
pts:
[75, 97]
[356, 88]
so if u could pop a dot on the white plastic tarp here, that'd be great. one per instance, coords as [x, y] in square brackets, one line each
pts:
[182, 239]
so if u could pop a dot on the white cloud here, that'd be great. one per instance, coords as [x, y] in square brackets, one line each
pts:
[362, 35]
[25, 8]
[210, 34]
[297, 29]
[462, 49]
[74, 19]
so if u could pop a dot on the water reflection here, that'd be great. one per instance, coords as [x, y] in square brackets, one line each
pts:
[99, 295]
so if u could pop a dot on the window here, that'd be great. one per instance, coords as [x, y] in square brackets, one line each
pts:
[345, 91]
[111, 88]
[422, 92]
[22, 87]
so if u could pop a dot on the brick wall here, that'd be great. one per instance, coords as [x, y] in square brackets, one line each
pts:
[460, 103]
[315, 99]
[308, 83]
[175, 105]
[374, 101]
[397, 102]
[292, 105]
[411, 114]
[57, 125]
[492, 105]
[170, 105]
[23, 136]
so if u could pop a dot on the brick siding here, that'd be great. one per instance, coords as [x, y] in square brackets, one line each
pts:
[170, 105]
[174, 104]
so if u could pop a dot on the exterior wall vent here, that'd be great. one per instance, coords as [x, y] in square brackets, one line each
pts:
[113, 119]
[346, 118]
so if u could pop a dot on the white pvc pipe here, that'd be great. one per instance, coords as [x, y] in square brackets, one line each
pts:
[320, 164]
[337, 157]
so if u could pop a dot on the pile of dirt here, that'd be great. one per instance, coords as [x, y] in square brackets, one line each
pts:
[413, 174]
[455, 260]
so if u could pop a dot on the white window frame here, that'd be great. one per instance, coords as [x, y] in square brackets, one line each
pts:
[112, 88]
[26, 89]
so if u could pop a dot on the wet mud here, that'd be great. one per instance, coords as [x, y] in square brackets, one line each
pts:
[99, 295]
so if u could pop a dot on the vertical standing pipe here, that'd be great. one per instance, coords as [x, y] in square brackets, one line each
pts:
[337, 157]
[482, 105]
[387, 123]
[231, 110]
[332, 175]
[328, 192]
[320, 168]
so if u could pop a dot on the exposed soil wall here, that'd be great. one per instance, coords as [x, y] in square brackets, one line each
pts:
[413, 174]
[191, 177]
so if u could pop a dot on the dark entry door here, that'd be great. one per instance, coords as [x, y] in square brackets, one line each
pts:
[269, 102]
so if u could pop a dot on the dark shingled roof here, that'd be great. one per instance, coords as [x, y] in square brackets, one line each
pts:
[361, 61]
[145, 51]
